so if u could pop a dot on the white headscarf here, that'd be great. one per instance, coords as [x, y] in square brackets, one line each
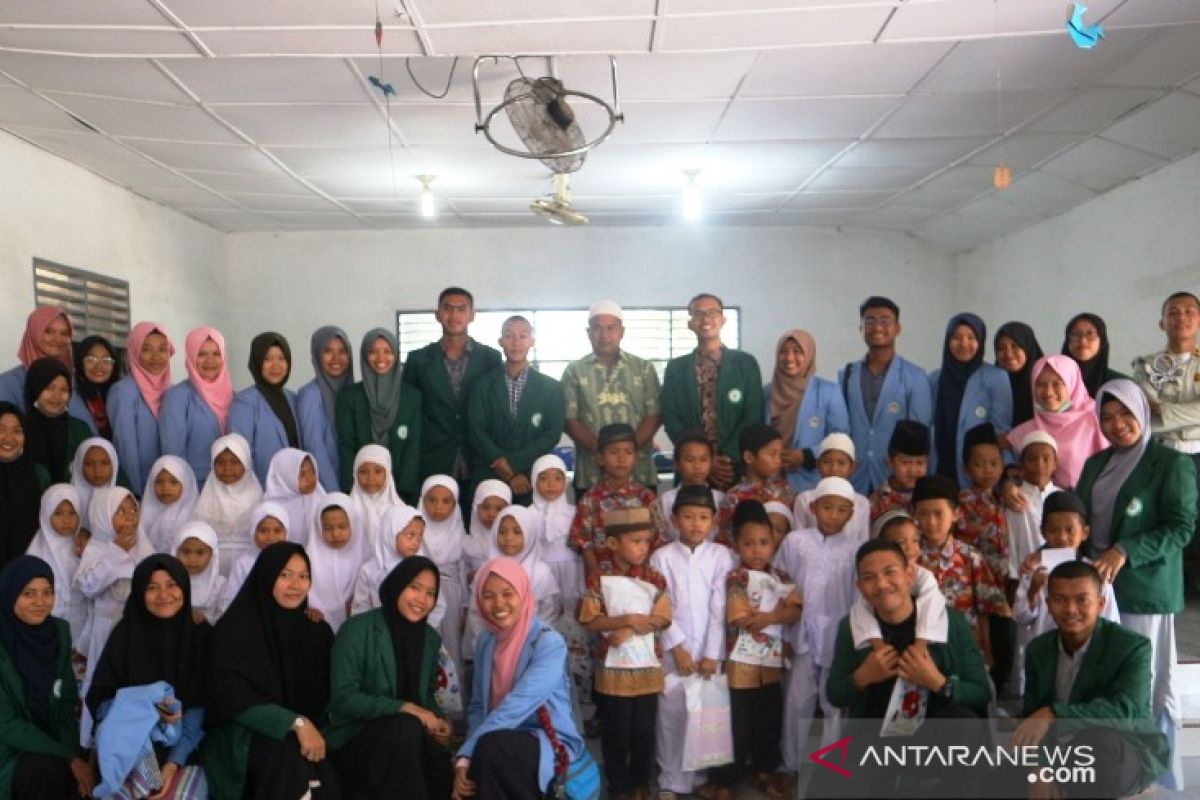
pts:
[371, 508]
[283, 486]
[53, 547]
[105, 503]
[269, 508]
[334, 570]
[227, 506]
[395, 519]
[443, 540]
[528, 521]
[161, 521]
[557, 514]
[80, 483]
[205, 586]
[475, 546]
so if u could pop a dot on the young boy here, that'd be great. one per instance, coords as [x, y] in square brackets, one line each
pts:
[835, 459]
[627, 694]
[760, 603]
[616, 453]
[908, 460]
[694, 569]
[967, 584]
[762, 455]
[1038, 460]
[693, 463]
[821, 559]
[783, 521]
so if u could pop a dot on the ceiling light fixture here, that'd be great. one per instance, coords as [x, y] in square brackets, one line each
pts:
[692, 207]
[428, 204]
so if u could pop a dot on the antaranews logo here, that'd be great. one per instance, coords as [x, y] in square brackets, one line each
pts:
[841, 746]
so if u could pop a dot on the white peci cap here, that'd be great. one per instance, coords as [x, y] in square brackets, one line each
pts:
[605, 308]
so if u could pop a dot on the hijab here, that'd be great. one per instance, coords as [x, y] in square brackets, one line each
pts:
[1095, 369]
[88, 390]
[263, 653]
[56, 549]
[105, 503]
[46, 436]
[509, 641]
[151, 387]
[227, 506]
[143, 648]
[787, 393]
[30, 349]
[206, 586]
[394, 520]
[328, 385]
[334, 570]
[370, 508]
[19, 493]
[162, 521]
[274, 394]
[283, 486]
[475, 546]
[33, 649]
[1122, 462]
[408, 638]
[268, 508]
[952, 384]
[1076, 428]
[443, 540]
[530, 557]
[81, 484]
[1020, 381]
[383, 391]
[217, 394]
[557, 514]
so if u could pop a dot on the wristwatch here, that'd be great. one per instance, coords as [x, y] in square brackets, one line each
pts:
[299, 723]
[947, 690]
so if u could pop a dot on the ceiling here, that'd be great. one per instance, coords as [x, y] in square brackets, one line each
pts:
[867, 113]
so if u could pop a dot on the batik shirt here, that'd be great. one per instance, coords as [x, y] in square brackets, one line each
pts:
[982, 525]
[965, 579]
[776, 489]
[885, 498]
[625, 682]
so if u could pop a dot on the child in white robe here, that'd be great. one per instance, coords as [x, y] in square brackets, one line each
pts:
[374, 491]
[169, 502]
[229, 495]
[336, 552]
[54, 543]
[197, 548]
[835, 459]
[266, 525]
[491, 497]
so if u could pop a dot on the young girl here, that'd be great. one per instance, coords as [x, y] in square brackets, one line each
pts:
[51, 433]
[402, 533]
[170, 499]
[55, 544]
[94, 467]
[197, 548]
[293, 483]
[374, 491]
[444, 535]
[267, 525]
[229, 494]
[549, 476]
[491, 497]
[265, 413]
[335, 548]
[96, 370]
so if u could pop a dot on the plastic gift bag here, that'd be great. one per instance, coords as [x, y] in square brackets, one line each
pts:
[448, 691]
[708, 738]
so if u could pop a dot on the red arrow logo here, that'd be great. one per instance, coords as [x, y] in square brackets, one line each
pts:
[841, 746]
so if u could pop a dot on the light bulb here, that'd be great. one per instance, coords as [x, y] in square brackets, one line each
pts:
[428, 204]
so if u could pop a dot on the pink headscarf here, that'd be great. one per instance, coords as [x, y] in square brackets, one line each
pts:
[218, 394]
[509, 641]
[152, 387]
[30, 349]
[1076, 430]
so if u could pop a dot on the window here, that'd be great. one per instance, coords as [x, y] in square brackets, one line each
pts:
[655, 334]
[97, 304]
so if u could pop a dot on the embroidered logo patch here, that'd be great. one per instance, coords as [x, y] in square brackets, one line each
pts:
[1135, 507]
[402, 432]
[894, 407]
[980, 412]
[735, 395]
[814, 422]
[536, 420]
[57, 689]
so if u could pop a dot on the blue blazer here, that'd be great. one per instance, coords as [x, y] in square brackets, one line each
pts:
[187, 427]
[135, 432]
[822, 412]
[318, 433]
[253, 418]
[905, 395]
[12, 389]
[542, 679]
[987, 398]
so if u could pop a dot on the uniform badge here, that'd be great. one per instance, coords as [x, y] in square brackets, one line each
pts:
[814, 422]
[735, 395]
[980, 412]
[893, 407]
[1135, 507]
[402, 432]
[536, 420]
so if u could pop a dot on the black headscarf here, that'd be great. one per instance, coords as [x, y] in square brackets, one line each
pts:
[1095, 369]
[143, 649]
[274, 394]
[88, 390]
[408, 638]
[20, 496]
[263, 653]
[1021, 380]
[33, 649]
[952, 384]
[46, 437]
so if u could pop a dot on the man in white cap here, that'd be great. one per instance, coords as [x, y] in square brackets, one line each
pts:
[609, 386]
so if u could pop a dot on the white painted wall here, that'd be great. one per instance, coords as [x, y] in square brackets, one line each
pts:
[53, 209]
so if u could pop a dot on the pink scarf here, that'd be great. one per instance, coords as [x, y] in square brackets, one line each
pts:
[1076, 430]
[152, 387]
[509, 641]
[30, 349]
[218, 394]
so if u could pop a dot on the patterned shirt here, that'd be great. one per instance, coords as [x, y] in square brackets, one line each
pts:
[983, 526]
[965, 579]
[587, 529]
[515, 387]
[885, 498]
[707, 367]
[597, 396]
[625, 682]
[737, 603]
[456, 369]
[777, 489]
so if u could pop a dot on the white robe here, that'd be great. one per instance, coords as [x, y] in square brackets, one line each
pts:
[1025, 527]
[859, 525]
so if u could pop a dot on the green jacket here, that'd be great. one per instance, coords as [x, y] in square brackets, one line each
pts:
[444, 416]
[363, 676]
[227, 747]
[404, 438]
[1154, 518]
[739, 399]
[494, 432]
[1113, 686]
[959, 658]
[18, 733]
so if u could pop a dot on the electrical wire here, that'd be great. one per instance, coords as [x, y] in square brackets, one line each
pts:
[423, 90]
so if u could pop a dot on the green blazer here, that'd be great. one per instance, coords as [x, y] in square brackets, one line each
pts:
[739, 399]
[444, 417]
[1113, 686]
[18, 732]
[959, 658]
[494, 433]
[404, 439]
[1154, 518]
[363, 676]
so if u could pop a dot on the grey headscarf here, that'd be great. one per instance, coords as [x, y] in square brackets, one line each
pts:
[383, 391]
[330, 386]
[1122, 462]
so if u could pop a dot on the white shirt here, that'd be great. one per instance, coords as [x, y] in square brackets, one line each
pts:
[1038, 619]
[1025, 527]
[859, 526]
[696, 587]
[823, 569]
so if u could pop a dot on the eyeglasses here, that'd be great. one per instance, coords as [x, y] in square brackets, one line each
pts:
[92, 361]
[712, 313]
[878, 322]
[1083, 336]
[125, 512]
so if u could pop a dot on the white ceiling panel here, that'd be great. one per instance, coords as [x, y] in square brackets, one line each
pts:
[1101, 165]
[318, 125]
[1171, 56]
[666, 122]
[1169, 127]
[440, 124]
[441, 12]
[282, 13]
[967, 114]
[774, 28]
[21, 107]
[810, 200]
[408, 203]
[813, 216]
[679, 7]
[911, 152]
[900, 218]
[1092, 109]
[820, 118]
[85, 149]
[309, 221]
[278, 183]
[975, 224]
[848, 70]
[256, 42]
[83, 41]
[867, 178]
[1039, 193]
[281, 202]
[446, 218]
[133, 78]
[185, 196]
[267, 80]
[144, 177]
[603, 36]
[965, 19]
[153, 120]
[970, 179]
[1024, 150]
[934, 200]
[1160, 12]
[669, 76]
[210, 157]
[231, 221]
[109, 12]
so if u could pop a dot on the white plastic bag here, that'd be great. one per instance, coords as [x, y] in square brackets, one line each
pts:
[624, 595]
[708, 737]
